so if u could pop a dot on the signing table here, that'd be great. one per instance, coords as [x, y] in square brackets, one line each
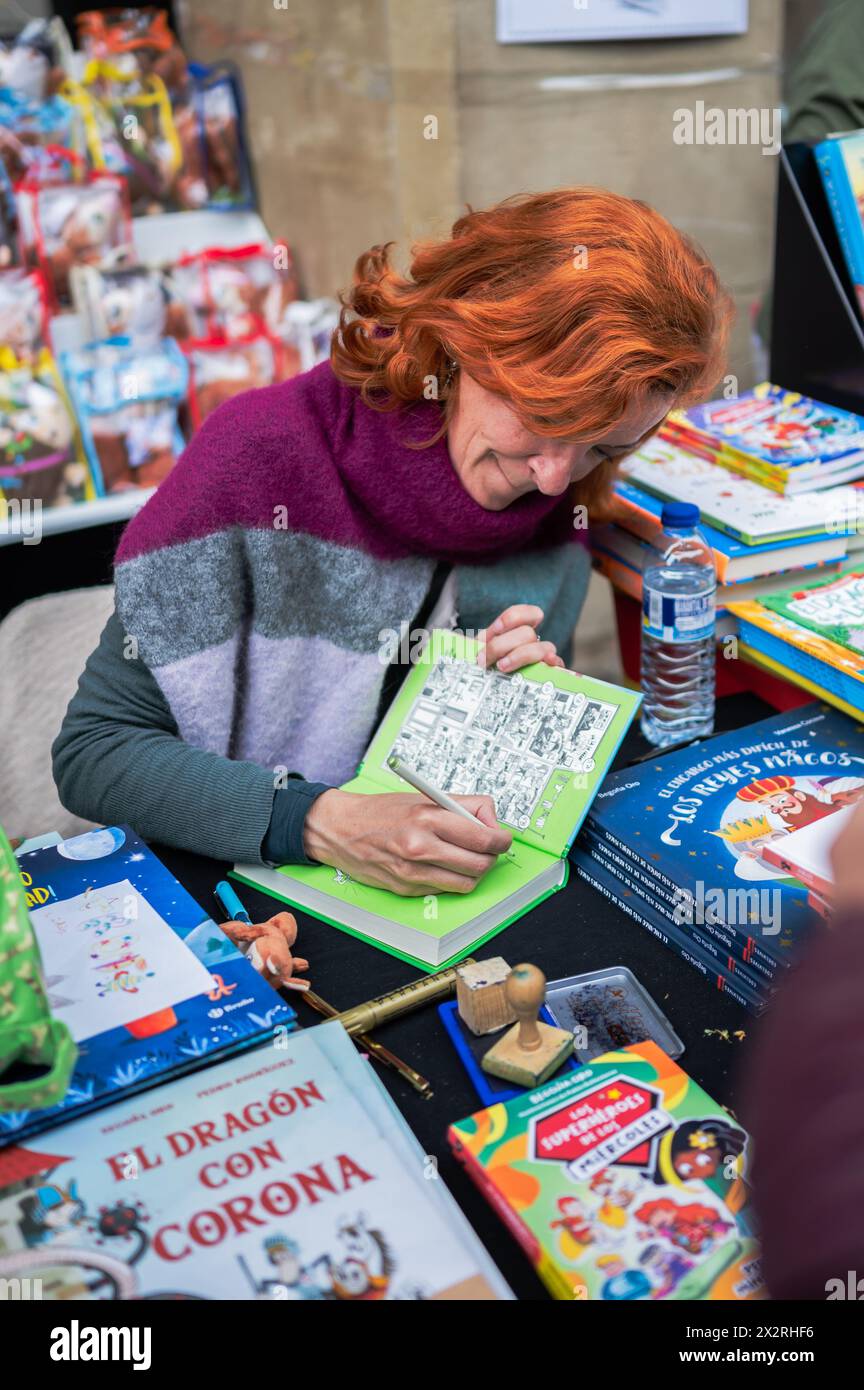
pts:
[573, 930]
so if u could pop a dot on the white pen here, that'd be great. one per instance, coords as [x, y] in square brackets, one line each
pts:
[416, 780]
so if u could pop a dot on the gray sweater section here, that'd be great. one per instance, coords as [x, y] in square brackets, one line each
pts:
[118, 758]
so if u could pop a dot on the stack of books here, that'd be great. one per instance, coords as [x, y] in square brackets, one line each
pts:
[785, 441]
[811, 634]
[722, 849]
[759, 536]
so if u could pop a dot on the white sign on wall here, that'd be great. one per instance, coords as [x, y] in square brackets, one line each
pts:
[562, 21]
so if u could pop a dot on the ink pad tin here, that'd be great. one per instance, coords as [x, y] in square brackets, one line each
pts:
[609, 1009]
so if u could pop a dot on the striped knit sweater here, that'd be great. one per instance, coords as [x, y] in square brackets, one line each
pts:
[297, 530]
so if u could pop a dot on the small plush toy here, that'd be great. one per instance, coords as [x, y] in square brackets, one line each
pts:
[267, 946]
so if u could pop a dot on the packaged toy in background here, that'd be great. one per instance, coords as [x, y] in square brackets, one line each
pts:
[81, 224]
[40, 456]
[127, 400]
[23, 313]
[220, 370]
[215, 148]
[308, 327]
[28, 127]
[143, 37]
[128, 303]
[9, 245]
[621, 1181]
[35, 62]
[133, 134]
[234, 292]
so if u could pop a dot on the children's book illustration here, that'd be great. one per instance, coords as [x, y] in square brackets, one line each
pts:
[149, 985]
[623, 1180]
[286, 1174]
[697, 823]
[767, 810]
[538, 742]
[476, 732]
[115, 957]
[834, 610]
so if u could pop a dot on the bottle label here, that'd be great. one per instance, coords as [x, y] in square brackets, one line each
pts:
[678, 617]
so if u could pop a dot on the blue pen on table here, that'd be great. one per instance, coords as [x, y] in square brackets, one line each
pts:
[228, 900]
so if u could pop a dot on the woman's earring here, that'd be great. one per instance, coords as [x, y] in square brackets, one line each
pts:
[452, 368]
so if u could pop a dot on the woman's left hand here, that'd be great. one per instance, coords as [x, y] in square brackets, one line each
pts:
[512, 641]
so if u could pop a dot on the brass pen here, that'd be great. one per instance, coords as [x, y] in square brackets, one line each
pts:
[374, 1012]
[375, 1049]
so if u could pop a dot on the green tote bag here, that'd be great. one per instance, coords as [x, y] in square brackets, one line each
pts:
[28, 1034]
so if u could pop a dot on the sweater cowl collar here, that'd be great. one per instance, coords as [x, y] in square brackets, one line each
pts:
[311, 457]
[414, 494]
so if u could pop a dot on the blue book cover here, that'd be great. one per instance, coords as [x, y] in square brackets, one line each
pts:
[725, 943]
[676, 939]
[148, 985]
[841, 166]
[701, 817]
[781, 428]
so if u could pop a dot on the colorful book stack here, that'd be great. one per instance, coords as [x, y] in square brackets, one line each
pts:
[701, 846]
[812, 634]
[758, 536]
[788, 442]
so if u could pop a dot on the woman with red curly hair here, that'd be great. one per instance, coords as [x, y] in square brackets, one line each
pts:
[432, 469]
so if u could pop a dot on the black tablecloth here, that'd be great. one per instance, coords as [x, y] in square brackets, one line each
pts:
[573, 930]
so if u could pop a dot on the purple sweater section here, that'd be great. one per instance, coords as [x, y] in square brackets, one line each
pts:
[344, 473]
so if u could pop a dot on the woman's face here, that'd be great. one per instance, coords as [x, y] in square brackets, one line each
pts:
[498, 459]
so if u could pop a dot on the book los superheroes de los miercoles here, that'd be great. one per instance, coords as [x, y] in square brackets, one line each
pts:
[698, 820]
[286, 1173]
[622, 1181]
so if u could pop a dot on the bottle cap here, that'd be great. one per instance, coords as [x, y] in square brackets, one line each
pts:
[679, 516]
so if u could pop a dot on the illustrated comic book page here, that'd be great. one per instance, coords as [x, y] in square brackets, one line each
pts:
[538, 742]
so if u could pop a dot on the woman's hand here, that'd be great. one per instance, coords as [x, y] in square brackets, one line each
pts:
[512, 642]
[404, 842]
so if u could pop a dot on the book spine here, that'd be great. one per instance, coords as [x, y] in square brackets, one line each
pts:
[751, 952]
[545, 1266]
[718, 942]
[844, 209]
[677, 944]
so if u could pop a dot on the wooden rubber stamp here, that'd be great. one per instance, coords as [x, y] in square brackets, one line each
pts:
[530, 1052]
[480, 995]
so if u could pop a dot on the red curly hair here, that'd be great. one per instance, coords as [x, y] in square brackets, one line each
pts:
[568, 304]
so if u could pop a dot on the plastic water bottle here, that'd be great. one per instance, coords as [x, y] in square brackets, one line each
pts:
[678, 617]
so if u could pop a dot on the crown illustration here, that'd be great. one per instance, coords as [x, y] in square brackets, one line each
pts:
[764, 787]
[738, 831]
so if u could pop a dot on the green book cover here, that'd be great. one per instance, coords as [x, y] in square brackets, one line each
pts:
[538, 741]
[833, 608]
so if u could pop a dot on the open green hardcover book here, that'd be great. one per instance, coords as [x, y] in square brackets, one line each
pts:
[539, 742]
